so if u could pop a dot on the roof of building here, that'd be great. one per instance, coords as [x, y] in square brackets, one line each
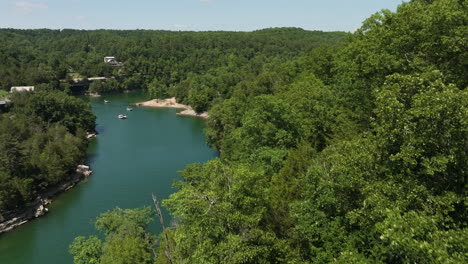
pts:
[96, 78]
[21, 88]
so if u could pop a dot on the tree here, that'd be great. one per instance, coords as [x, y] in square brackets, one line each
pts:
[157, 89]
[199, 97]
[127, 239]
[421, 125]
[56, 107]
[86, 250]
[41, 142]
[220, 209]
[395, 194]
[223, 119]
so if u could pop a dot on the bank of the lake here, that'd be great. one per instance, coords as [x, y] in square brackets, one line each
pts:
[39, 206]
[130, 159]
[187, 110]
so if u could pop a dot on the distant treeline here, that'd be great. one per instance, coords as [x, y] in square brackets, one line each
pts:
[181, 64]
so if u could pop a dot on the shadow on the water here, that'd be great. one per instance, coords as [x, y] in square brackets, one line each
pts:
[100, 129]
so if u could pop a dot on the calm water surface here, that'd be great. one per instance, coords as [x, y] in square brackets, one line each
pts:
[130, 159]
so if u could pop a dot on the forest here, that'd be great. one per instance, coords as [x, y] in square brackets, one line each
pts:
[352, 152]
[199, 68]
[42, 140]
[334, 147]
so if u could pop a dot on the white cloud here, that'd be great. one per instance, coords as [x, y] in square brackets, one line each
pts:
[24, 7]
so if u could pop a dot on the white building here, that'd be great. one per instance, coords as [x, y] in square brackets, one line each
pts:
[22, 89]
[97, 78]
[110, 59]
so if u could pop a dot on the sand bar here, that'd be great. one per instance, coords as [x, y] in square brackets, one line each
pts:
[172, 103]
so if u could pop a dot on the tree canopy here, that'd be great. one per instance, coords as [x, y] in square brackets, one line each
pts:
[42, 140]
[349, 154]
[334, 147]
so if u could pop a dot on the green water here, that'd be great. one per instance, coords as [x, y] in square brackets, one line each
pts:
[130, 159]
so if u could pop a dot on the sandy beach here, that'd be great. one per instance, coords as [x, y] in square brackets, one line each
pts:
[172, 103]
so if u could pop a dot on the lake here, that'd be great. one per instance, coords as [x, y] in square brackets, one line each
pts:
[131, 158]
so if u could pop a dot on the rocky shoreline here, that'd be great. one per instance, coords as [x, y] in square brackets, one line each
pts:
[38, 207]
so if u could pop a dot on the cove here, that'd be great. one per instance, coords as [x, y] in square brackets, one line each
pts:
[130, 159]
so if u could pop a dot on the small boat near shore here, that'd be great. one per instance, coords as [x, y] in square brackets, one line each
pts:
[121, 116]
[129, 108]
[106, 101]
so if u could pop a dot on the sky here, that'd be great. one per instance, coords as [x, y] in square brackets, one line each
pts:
[193, 15]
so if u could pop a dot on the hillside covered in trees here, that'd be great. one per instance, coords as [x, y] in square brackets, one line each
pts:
[199, 68]
[334, 148]
[351, 153]
[42, 140]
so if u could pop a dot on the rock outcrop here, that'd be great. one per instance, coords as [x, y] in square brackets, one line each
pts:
[38, 207]
[90, 135]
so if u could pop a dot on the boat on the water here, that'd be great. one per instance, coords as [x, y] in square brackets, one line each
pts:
[129, 108]
[122, 116]
[106, 101]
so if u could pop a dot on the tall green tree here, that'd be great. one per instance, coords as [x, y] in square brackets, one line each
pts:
[41, 142]
[127, 240]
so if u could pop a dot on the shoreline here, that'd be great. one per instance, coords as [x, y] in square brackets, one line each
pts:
[38, 207]
[172, 103]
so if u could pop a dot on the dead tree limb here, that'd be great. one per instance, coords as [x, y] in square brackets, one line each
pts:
[161, 219]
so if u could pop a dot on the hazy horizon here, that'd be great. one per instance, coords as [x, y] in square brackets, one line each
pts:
[169, 30]
[190, 15]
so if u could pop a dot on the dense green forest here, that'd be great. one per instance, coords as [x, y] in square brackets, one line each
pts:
[351, 153]
[42, 140]
[344, 148]
[199, 68]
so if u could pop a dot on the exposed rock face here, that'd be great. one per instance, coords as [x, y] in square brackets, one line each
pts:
[93, 94]
[191, 112]
[90, 135]
[40, 211]
[38, 207]
[34, 211]
[84, 170]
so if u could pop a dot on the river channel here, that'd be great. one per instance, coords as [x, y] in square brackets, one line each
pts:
[130, 159]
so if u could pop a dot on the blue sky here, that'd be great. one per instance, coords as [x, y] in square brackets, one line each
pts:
[197, 15]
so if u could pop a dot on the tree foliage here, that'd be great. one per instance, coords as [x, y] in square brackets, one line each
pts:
[42, 139]
[127, 240]
[351, 152]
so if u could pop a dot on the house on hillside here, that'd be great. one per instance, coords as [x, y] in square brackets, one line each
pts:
[22, 89]
[112, 61]
[109, 59]
[97, 78]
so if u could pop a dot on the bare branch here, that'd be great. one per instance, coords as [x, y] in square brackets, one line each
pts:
[161, 219]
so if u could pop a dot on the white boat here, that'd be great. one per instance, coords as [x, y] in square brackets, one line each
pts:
[122, 116]
[105, 101]
[129, 108]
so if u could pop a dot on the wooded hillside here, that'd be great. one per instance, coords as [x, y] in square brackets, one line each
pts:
[343, 148]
